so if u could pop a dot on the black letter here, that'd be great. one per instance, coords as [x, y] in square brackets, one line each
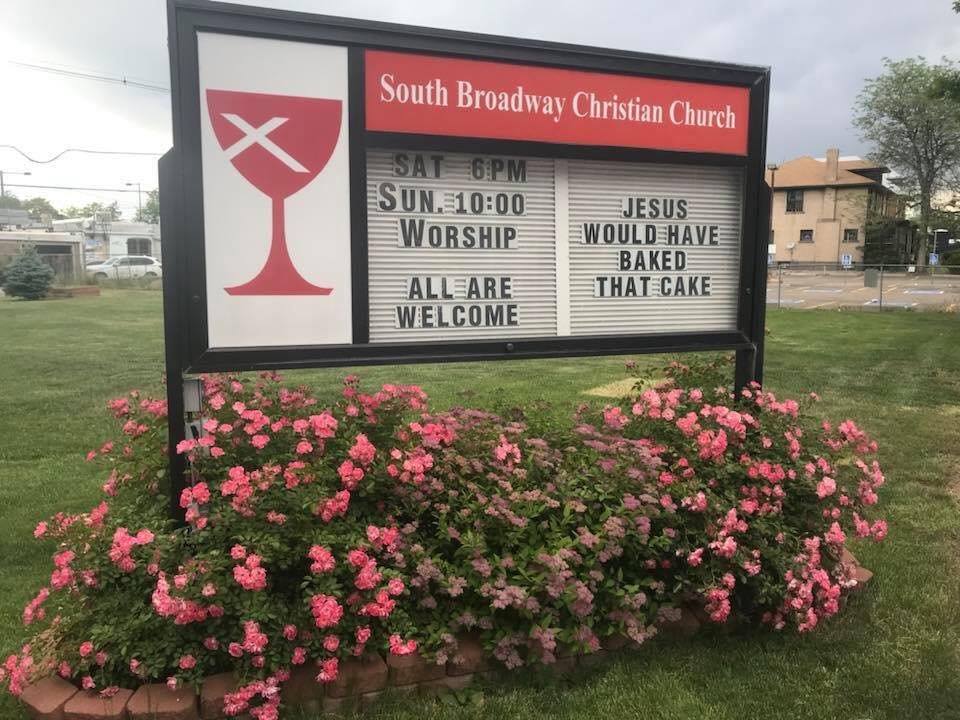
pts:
[388, 200]
[406, 315]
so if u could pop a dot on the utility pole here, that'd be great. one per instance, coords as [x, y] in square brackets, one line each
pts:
[139, 204]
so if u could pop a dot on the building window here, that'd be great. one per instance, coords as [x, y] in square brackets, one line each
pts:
[851, 235]
[794, 200]
[138, 246]
[806, 236]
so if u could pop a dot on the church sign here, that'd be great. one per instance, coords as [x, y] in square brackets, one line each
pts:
[344, 192]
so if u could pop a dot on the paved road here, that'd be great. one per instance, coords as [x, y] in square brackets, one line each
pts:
[835, 289]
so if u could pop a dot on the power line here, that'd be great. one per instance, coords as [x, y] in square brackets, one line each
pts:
[80, 69]
[80, 150]
[122, 80]
[71, 187]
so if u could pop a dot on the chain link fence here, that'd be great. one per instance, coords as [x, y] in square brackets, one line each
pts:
[878, 287]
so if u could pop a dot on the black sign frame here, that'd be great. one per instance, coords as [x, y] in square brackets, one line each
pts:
[181, 192]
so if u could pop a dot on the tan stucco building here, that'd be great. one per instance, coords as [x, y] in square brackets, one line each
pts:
[821, 207]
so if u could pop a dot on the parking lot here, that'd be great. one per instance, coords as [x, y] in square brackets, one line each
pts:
[813, 289]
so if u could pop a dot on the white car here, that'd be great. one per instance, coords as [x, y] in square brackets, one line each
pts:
[125, 267]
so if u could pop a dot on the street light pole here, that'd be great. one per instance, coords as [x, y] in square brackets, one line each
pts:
[772, 167]
[139, 204]
[3, 190]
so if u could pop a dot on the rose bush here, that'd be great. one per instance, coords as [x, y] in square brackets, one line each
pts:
[318, 533]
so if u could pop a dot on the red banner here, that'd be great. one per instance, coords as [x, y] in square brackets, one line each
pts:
[433, 95]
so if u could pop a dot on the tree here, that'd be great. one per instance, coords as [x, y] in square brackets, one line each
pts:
[27, 276]
[9, 202]
[39, 206]
[887, 240]
[946, 218]
[151, 208]
[91, 209]
[914, 129]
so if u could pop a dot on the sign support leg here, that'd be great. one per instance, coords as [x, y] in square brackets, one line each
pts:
[749, 361]
[745, 371]
[169, 175]
[175, 433]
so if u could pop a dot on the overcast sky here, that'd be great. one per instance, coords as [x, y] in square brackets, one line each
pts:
[820, 52]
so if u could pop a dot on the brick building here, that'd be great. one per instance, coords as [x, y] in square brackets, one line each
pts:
[822, 207]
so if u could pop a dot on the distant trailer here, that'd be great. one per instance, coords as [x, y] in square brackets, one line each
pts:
[13, 218]
[61, 251]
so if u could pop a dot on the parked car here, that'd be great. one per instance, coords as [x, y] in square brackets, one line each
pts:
[125, 267]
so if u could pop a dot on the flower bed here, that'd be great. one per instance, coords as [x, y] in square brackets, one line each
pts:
[317, 534]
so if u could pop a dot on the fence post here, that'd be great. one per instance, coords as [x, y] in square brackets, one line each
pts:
[779, 285]
[881, 287]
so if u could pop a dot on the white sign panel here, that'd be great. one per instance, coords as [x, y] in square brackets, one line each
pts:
[275, 150]
[460, 246]
[490, 247]
[653, 248]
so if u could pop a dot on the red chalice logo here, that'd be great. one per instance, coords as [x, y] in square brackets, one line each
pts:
[279, 143]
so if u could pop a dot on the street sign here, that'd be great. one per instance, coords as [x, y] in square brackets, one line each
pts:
[846, 260]
[934, 259]
[343, 192]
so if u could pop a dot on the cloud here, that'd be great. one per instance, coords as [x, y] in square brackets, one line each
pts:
[819, 51]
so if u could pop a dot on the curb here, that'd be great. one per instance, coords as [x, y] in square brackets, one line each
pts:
[360, 683]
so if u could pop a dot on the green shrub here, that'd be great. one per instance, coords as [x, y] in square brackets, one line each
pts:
[27, 277]
[951, 261]
[317, 534]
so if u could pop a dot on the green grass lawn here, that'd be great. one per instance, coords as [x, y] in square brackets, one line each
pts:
[895, 652]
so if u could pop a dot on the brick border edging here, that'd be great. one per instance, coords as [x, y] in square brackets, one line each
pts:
[360, 683]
